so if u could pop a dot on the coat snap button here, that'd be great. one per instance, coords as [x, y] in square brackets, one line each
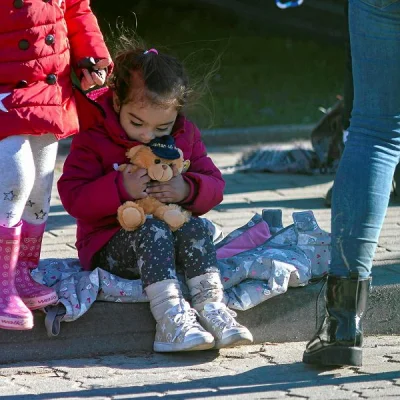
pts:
[51, 79]
[18, 3]
[21, 84]
[49, 39]
[23, 44]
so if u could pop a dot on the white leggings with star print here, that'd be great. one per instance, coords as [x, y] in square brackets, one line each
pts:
[26, 178]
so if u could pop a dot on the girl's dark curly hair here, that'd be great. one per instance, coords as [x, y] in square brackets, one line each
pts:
[162, 76]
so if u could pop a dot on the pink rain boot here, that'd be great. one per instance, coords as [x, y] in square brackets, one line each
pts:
[13, 312]
[33, 294]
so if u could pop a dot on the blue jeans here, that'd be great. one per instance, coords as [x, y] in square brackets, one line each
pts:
[363, 181]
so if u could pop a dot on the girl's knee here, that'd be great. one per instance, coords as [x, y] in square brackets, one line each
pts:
[128, 236]
[194, 224]
[155, 226]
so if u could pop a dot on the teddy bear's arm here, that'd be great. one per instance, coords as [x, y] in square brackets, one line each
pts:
[122, 167]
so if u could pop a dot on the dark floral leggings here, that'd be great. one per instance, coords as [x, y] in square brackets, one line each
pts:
[154, 253]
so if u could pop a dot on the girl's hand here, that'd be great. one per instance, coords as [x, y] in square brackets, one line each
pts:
[135, 182]
[96, 75]
[173, 191]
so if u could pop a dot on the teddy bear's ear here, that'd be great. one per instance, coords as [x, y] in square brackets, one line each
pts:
[181, 153]
[131, 153]
[186, 165]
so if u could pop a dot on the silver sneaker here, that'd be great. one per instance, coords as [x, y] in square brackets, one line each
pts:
[179, 331]
[219, 320]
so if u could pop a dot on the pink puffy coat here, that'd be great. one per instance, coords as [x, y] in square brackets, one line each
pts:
[91, 190]
[39, 41]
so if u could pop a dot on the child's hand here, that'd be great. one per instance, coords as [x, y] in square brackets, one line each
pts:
[173, 191]
[94, 74]
[135, 182]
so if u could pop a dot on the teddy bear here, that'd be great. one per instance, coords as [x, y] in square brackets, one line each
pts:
[157, 158]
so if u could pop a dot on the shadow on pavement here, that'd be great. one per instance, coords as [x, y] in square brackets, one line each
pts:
[270, 378]
[301, 204]
[60, 221]
[255, 182]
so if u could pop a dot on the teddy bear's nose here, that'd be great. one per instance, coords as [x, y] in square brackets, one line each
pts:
[164, 167]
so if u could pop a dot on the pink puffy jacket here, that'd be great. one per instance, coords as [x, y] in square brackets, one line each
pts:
[91, 190]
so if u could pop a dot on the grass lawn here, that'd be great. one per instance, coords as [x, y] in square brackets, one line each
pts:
[263, 78]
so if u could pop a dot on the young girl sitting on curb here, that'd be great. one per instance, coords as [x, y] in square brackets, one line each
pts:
[146, 95]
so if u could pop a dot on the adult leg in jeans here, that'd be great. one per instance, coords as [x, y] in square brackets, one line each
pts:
[363, 181]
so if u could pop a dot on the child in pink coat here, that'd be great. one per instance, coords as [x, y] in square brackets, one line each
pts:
[143, 105]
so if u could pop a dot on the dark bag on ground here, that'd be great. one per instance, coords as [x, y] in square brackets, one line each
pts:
[327, 138]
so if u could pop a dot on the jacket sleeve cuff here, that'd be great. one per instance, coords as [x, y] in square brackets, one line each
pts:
[192, 191]
[123, 194]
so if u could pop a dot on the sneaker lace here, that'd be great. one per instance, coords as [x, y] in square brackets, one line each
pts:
[185, 320]
[222, 318]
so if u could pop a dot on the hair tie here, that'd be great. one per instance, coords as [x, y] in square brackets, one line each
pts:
[151, 51]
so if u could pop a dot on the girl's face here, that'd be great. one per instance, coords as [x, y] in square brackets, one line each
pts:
[143, 121]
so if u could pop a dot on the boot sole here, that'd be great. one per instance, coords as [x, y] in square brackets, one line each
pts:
[16, 324]
[335, 355]
[34, 303]
[193, 345]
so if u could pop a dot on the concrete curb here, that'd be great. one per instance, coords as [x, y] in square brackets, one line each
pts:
[110, 328]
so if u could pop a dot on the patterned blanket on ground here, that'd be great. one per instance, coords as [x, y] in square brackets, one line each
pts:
[257, 262]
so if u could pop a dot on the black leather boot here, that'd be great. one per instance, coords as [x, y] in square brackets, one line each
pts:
[339, 338]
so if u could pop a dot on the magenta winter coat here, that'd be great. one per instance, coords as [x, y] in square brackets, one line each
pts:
[39, 40]
[91, 190]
